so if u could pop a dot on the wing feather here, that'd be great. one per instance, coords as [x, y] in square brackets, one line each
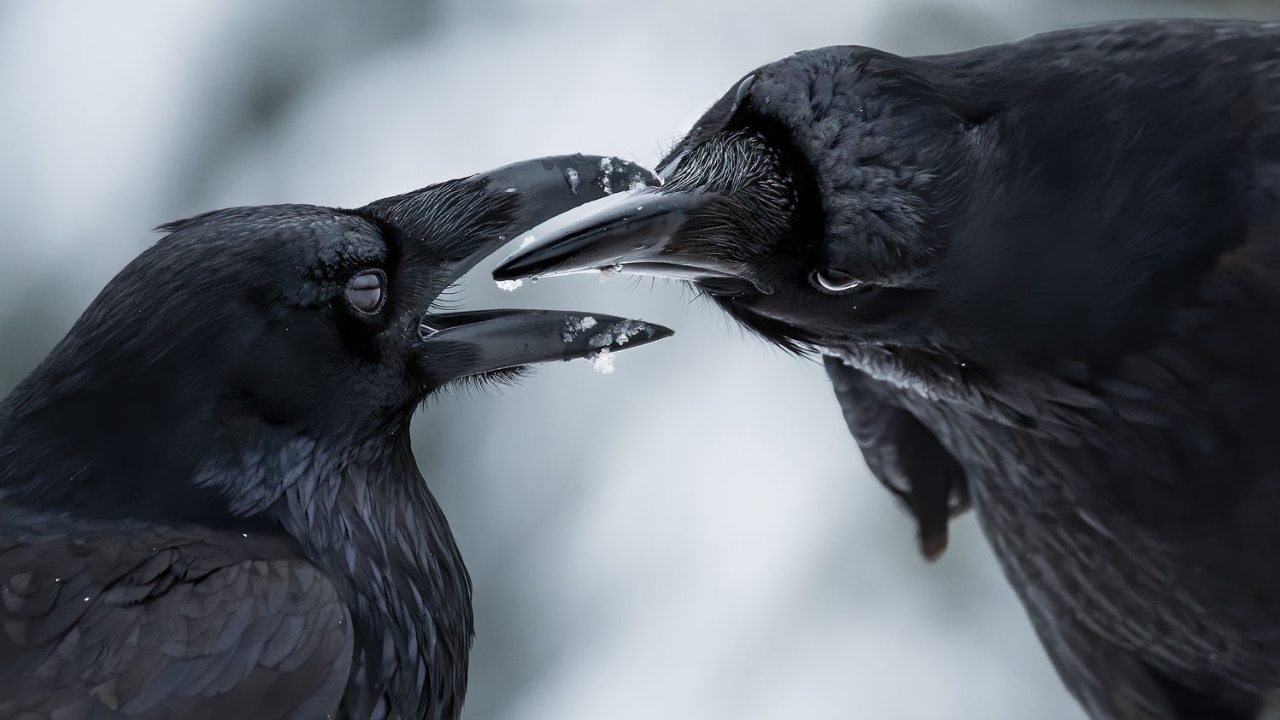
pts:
[167, 623]
[903, 454]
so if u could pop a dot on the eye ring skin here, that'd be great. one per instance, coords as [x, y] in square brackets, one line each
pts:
[833, 282]
[366, 292]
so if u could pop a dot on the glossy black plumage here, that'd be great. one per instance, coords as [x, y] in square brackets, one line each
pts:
[1068, 250]
[209, 507]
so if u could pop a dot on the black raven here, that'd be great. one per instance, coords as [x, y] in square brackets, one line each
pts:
[1045, 277]
[208, 503]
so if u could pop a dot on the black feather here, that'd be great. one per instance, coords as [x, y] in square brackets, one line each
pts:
[208, 502]
[1069, 249]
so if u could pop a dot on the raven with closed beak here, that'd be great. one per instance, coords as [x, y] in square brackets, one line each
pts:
[209, 507]
[1045, 277]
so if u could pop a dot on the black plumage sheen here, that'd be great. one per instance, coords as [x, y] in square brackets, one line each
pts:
[1068, 250]
[209, 507]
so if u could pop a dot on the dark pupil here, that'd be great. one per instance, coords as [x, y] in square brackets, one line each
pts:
[365, 291]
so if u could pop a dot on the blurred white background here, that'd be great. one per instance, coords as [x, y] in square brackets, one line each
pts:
[694, 536]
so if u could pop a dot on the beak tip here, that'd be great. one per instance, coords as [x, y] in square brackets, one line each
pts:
[650, 334]
[545, 257]
[607, 332]
[510, 269]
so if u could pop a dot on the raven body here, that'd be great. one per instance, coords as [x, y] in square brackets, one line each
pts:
[208, 501]
[1045, 278]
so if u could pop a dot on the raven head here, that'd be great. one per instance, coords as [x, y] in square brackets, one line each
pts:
[993, 207]
[805, 202]
[246, 338]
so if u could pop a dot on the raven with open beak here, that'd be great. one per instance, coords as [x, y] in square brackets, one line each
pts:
[209, 506]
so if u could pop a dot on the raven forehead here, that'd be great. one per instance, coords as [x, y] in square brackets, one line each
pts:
[875, 137]
[321, 242]
[346, 248]
[287, 219]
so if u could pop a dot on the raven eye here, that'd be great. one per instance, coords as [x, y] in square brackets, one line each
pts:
[366, 291]
[833, 281]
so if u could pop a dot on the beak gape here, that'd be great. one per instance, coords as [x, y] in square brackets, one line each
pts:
[460, 344]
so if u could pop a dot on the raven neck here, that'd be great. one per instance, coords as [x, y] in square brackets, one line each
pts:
[1160, 387]
[71, 453]
[375, 528]
[363, 514]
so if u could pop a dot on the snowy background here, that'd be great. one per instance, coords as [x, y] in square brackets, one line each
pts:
[694, 536]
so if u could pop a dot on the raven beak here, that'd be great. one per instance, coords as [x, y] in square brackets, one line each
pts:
[455, 345]
[627, 232]
[548, 187]
[538, 190]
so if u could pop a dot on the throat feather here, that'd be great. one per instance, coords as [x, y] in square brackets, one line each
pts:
[377, 531]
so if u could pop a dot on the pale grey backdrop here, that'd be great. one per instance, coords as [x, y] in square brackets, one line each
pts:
[694, 536]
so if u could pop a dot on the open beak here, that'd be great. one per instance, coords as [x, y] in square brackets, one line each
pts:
[472, 343]
[458, 344]
[627, 232]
